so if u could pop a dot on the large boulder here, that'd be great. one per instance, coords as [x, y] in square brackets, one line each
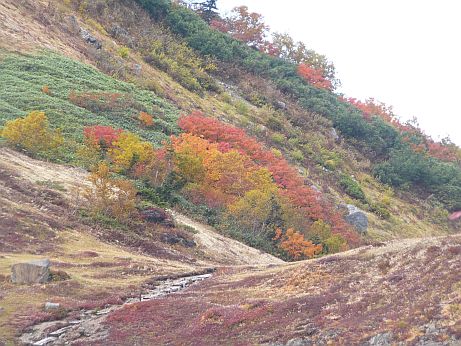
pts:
[357, 218]
[31, 272]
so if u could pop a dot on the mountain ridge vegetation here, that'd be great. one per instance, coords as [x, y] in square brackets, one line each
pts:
[171, 107]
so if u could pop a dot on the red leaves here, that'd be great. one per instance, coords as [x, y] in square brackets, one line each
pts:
[314, 76]
[371, 108]
[101, 135]
[410, 131]
[291, 184]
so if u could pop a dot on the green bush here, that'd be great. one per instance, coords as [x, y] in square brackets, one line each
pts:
[381, 210]
[278, 138]
[20, 91]
[123, 52]
[352, 188]
[297, 155]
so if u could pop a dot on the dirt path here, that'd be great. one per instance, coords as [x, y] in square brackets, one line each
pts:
[224, 250]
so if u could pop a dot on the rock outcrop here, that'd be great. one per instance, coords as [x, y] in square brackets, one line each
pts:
[31, 272]
[357, 218]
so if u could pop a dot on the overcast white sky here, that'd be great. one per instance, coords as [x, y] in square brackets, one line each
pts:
[406, 53]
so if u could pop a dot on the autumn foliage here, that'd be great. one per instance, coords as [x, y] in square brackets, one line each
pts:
[114, 197]
[103, 136]
[32, 133]
[295, 244]
[221, 167]
[244, 26]
[410, 131]
[314, 76]
[146, 119]
[291, 192]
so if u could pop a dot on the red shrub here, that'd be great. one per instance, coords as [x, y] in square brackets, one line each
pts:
[101, 135]
[314, 76]
[287, 178]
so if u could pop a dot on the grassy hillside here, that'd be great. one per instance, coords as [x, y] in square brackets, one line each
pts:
[98, 98]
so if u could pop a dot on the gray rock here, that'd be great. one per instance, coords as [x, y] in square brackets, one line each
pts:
[383, 339]
[51, 306]
[357, 218]
[299, 342]
[90, 39]
[45, 341]
[61, 331]
[280, 105]
[31, 272]
[137, 69]
[334, 134]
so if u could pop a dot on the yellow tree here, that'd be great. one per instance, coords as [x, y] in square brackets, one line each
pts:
[114, 197]
[32, 133]
[129, 150]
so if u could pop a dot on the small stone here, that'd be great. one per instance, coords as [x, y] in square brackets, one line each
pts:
[45, 341]
[60, 331]
[137, 69]
[90, 39]
[51, 306]
[334, 134]
[299, 342]
[383, 339]
[75, 322]
[280, 104]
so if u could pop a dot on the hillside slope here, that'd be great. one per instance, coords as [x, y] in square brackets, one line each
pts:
[325, 159]
[245, 145]
[406, 290]
[39, 218]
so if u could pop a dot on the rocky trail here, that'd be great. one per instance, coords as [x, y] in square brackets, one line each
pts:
[89, 325]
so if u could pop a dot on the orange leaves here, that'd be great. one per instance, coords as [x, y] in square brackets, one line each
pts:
[46, 90]
[216, 174]
[270, 180]
[286, 177]
[295, 245]
[146, 119]
[244, 26]
[314, 76]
